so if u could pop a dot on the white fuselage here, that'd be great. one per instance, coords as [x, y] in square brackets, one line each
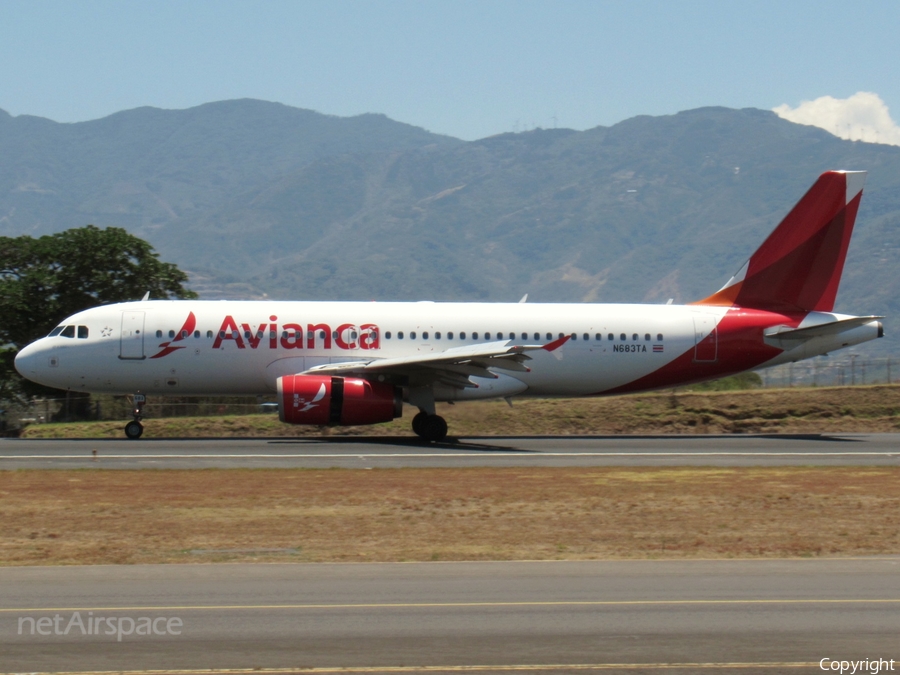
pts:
[223, 347]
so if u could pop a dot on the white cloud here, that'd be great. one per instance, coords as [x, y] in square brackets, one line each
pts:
[861, 117]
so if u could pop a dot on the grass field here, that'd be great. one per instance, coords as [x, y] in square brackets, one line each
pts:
[151, 516]
[90, 516]
[808, 410]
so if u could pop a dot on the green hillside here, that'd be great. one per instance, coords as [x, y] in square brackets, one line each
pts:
[258, 198]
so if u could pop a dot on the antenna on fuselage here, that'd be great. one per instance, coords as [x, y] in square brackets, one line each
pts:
[524, 298]
[146, 297]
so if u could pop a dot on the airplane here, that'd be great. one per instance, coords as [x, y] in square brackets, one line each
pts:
[355, 363]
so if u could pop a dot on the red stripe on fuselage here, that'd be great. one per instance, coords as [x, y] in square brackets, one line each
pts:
[740, 347]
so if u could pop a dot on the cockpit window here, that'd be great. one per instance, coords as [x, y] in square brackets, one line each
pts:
[83, 332]
[56, 331]
[68, 332]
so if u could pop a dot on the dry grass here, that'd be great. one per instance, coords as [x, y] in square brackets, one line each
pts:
[822, 410]
[91, 516]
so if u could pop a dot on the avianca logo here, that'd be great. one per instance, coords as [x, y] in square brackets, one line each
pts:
[309, 405]
[297, 336]
[189, 325]
[272, 336]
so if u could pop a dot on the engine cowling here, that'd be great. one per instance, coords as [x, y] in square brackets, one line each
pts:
[322, 399]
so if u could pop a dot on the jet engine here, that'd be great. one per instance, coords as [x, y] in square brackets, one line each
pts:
[322, 399]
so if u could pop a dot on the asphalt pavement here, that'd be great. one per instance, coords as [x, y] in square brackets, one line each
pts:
[403, 451]
[613, 616]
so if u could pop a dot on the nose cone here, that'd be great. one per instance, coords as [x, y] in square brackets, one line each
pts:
[26, 360]
[32, 362]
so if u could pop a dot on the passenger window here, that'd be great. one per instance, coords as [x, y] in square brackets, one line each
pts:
[562, 335]
[537, 336]
[83, 332]
[68, 332]
[573, 336]
[586, 336]
[184, 334]
[56, 331]
[474, 334]
[610, 337]
[196, 334]
[622, 336]
[387, 335]
[449, 334]
[412, 335]
[598, 336]
[424, 334]
[159, 333]
[209, 334]
[399, 334]
[437, 335]
[171, 334]
[221, 334]
[634, 336]
[659, 337]
[462, 335]
[647, 336]
[246, 334]
[512, 336]
[549, 336]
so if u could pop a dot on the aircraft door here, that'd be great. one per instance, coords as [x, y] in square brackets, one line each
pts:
[131, 342]
[706, 338]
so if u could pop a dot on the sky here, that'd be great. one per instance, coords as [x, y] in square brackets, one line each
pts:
[468, 69]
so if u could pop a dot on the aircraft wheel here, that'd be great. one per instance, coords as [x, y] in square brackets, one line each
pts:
[134, 429]
[418, 423]
[434, 429]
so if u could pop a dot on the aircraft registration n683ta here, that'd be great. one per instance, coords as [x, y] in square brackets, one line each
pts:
[349, 363]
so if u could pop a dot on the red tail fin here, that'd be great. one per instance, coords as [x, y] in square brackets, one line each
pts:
[799, 266]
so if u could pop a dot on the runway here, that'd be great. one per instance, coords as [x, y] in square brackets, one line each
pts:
[374, 451]
[752, 616]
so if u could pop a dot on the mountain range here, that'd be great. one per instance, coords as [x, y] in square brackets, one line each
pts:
[258, 199]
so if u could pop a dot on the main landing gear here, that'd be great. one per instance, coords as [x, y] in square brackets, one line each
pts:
[134, 428]
[432, 428]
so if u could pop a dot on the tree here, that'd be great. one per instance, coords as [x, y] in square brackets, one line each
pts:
[44, 280]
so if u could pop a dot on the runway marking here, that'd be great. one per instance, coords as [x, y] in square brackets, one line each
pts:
[453, 605]
[471, 455]
[452, 669]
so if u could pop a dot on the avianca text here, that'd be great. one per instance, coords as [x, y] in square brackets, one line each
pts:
[297, 336]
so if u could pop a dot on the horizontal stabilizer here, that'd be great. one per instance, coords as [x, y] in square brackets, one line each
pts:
[820, 330]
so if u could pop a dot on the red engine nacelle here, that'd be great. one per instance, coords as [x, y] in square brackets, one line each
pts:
[321, 399]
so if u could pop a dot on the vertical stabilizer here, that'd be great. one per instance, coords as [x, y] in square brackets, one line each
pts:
[799, 266]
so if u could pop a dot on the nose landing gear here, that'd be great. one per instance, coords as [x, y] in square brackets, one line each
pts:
[134, 429]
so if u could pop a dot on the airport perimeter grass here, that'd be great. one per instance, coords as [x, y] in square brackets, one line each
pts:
[162, 516]
[802, 410]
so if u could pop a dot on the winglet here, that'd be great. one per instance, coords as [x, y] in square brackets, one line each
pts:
[556, 344]
[799, 265]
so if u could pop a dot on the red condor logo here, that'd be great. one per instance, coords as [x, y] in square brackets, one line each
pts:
[287, 336]
[189, 325]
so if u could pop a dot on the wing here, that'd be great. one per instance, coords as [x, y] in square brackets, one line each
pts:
[453, 366]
